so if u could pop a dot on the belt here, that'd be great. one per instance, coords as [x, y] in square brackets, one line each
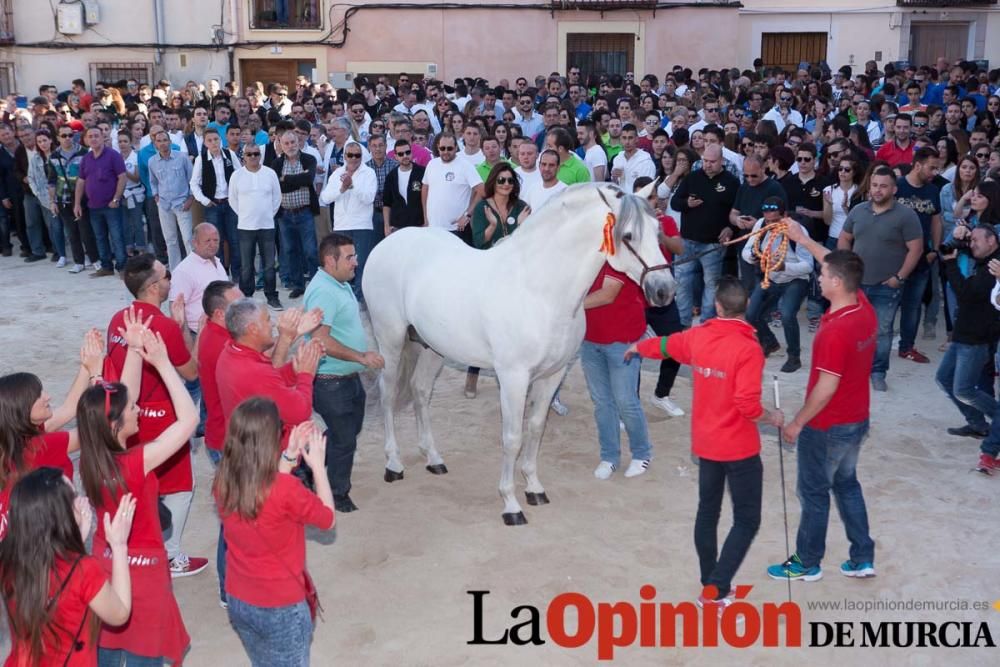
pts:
[294, 210]
[224, 200]
[327, 376]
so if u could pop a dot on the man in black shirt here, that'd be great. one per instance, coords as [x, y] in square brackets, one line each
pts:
[401, 203]
[805, 201]
[704, 199]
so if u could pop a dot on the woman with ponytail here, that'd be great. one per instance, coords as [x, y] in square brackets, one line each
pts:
[107, 417]
[49, 584]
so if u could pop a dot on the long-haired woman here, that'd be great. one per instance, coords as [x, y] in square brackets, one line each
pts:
[30, 428]
[264, 511]
[49, 583]
[107, 417]
[837, 198]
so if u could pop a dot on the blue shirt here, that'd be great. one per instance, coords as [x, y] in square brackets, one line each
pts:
[170, 179]
[342, 315]
[222, 129]
[144, 153]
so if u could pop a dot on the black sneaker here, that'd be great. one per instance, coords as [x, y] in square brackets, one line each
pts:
[296, 293]
[34, 258]
[793, 364]
[273, 302]
[968, 432]
[344, 504]
[771, 348]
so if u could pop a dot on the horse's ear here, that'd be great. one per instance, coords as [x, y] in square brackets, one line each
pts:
[646, 191]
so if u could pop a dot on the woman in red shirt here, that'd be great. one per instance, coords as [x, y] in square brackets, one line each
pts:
[264, 511]
[29, 427]
[107, 417]
[49, 583]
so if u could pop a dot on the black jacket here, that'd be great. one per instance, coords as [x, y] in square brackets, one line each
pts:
[10, 186]
[705, 222]
[977, 322]
[408, 211]
[305, 179]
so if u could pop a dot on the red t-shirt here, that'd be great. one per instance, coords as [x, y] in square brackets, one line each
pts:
[265, 558]
[670, 230]
[44, 450]
[895, 155]
[71, 604]
[845, 346]
[727, 364]
[621, 321]
[211, 341]
[146, 532]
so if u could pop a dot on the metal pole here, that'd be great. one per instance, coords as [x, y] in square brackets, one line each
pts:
[781, 467]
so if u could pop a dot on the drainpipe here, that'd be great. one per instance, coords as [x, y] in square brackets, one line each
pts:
[158, 30]
[236, 31]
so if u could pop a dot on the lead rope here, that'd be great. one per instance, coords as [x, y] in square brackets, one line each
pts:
[768, 258]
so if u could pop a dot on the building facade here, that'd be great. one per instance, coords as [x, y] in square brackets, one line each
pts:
[276, 40]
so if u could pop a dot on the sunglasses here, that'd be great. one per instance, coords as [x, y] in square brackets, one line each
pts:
[403, 153]
[378, 126]
[846, 170]
[770, 207]
[982, 155]
[251, 153]
[446, 149]
[65, 136]
[835, 154]
[711, 109]
[785, 99]
[353, 156]
[505, 180]
[746, 145]
[920, 125]
[803, 159]
[489, 116]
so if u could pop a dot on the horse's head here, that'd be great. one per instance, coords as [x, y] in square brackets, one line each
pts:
[634, 247]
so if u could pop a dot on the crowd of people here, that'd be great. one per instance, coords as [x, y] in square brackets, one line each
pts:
[885, 182]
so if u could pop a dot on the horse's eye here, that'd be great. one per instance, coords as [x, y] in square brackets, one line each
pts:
[627, 236]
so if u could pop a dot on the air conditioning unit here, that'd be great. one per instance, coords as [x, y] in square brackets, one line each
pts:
[69, 19]
[342, 80]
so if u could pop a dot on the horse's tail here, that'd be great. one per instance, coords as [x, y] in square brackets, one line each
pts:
[407, 364]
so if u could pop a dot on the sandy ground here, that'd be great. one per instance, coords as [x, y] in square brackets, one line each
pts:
[394, 579]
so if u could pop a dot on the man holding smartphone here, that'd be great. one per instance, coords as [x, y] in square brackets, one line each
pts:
[747, 210]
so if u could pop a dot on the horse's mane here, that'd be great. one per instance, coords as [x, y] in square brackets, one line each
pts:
[630, 211]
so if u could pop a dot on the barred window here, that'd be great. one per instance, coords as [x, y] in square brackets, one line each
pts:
[112, 72]
[285, 14]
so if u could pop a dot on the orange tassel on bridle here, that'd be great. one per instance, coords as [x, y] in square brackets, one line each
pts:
[608, 244]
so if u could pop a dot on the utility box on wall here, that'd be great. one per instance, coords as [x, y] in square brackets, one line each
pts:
[69, 19]
[91, 12]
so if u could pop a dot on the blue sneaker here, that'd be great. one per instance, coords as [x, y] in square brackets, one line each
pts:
[861, 570]
[794, 570]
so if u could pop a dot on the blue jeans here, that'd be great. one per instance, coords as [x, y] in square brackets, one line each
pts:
[215, 457]
[224, 219]
[910, 306]
[35, 220]
[711, 266]
[364, 241]
[298, 247]
[885, 301]
[827, 461]
[958, 376]
[788, 296]
[56, 234]
[135, 236]
[613, 384]
[273, 636]
[107, 657]
[341, 404]
[107, 222]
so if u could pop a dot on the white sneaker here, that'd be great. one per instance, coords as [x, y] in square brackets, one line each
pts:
[636, 467]
[605, 470]
[667, 406]
[558, 407]
[61, 263]
[76, 268]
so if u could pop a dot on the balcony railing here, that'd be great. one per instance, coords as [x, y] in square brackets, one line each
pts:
[285, 14]
[945, 3]
[6, 22]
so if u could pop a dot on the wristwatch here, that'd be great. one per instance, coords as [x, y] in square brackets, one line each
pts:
[901, 280]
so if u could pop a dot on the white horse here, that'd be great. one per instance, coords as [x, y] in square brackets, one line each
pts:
[516, 308]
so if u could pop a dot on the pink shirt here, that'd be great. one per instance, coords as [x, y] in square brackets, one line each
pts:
[190, 278]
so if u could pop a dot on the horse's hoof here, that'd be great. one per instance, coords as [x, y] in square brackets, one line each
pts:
[437, 469]
[536, 498]
[512, 519]
[393, 476]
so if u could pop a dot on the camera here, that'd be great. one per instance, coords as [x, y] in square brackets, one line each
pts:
[952, 245]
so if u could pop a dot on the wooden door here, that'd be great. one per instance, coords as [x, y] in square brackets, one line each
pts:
[929, 41]
[269, 71]
[787, 49]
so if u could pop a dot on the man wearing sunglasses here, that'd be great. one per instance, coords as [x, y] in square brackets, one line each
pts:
[255, 197]
[451, 189]
[782, 113]
[351, 191]
[401, 203]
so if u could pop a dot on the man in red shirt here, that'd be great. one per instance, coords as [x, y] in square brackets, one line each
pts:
[149, 282]
[900, 149]
[833, 423]
[726, 367]
[243, 370]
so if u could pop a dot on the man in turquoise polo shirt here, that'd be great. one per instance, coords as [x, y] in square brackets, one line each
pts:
[338, 395]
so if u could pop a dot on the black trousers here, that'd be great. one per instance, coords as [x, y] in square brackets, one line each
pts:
[665, 320]
[79, 235]
[745, 478]
[341, 404]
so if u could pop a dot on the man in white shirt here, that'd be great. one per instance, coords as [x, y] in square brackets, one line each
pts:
[594, 156]
[631, 163]
[527, 168]
[473, 138]
[549, 185]
[352, 190]
[210, 186]
[201, 267]
[451, 189]
[255, 197]
[782, 113]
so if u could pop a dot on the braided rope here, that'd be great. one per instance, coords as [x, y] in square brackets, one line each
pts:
[769, 258]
